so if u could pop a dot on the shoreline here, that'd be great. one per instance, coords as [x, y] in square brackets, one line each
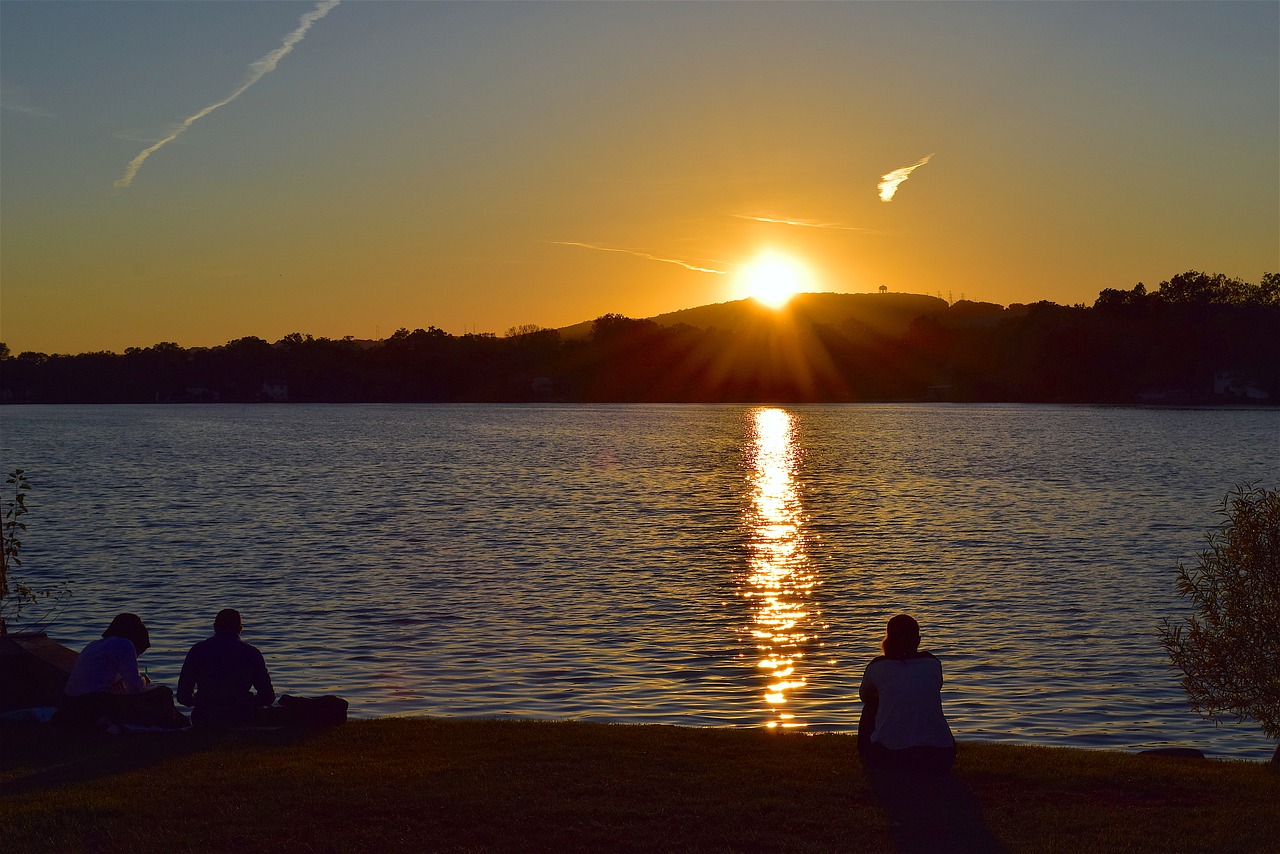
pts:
[47, 661]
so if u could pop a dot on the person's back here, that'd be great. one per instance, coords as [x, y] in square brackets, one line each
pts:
[902, 724]
[104, 688]
[221, 674]
[108, 665]
[909, 711]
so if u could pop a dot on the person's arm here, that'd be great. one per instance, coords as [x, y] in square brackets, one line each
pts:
[867, 692]
[262, 682]
[870, 697]
[187, 680]
[125, 659]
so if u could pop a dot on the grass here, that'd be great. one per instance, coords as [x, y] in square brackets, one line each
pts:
[455, 785]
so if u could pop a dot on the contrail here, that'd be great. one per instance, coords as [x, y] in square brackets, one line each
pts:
[889, 182]
[804, 223]
[257, 70]
[675, 261]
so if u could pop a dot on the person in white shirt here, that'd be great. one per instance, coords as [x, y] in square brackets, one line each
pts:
[105, 689]
[902, 725]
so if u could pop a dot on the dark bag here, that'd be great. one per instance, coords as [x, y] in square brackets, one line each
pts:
[152, 708]
[313, 711]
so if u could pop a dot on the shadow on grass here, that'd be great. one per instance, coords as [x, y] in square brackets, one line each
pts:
[932, 813]
[38, 757]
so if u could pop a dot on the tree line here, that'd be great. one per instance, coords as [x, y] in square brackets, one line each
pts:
[1196, 338]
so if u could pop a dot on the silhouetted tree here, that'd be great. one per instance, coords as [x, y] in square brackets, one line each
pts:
[523, 329]
[1172, 342]
[1111, 298]
[1268, 292]
[1229, 650]
[1202, 289]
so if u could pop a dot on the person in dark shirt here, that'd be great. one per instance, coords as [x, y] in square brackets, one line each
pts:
[224, 678]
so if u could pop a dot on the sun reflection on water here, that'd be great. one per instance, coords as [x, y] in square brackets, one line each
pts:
[781, 577]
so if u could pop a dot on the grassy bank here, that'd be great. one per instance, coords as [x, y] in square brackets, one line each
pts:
[442, 785]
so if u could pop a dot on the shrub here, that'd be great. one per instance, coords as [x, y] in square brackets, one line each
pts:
[1229, 649]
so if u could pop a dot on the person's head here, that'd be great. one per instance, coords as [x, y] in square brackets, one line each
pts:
[131, 628]
[901, 638]
[228, 620]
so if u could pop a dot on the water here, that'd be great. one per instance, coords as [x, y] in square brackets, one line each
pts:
[694, 565]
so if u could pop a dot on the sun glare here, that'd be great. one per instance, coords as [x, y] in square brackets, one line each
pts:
[773, 278]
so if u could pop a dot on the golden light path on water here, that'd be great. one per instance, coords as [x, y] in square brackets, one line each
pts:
[781, 576]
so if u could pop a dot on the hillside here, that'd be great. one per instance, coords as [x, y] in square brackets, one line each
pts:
[887, 314]
[1198, 339]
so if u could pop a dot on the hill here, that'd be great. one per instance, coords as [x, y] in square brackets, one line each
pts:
[1198, 339]
[886, 314]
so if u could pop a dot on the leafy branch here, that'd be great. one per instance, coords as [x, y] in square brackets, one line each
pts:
[1229, 649]
[15, 593]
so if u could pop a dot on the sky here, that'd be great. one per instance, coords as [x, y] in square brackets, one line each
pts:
[197, 172]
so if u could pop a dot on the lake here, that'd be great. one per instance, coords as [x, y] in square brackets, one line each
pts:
[698, 565]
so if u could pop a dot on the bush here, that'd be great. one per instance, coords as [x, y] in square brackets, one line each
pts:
[15, 593]
[1229, 649]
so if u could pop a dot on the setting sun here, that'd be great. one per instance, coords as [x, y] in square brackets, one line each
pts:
[773, 278]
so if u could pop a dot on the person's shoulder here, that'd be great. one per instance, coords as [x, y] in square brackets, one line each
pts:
[114, 643]
[208, 643]
[925, 660]
[921, 655]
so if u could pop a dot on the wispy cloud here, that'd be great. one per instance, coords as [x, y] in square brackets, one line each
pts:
[675, 261]
[806, 223]
[257, 70]
[26, 110]
[890, 181]
[13, 99]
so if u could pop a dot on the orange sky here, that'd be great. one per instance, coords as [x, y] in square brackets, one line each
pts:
[419, 164]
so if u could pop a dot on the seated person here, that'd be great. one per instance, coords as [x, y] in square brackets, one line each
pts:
[221, 675]
[105, 689]
[902, 726]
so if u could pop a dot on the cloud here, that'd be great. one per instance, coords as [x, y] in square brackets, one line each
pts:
[890, 181]
[257, 70]
[806, 223]
[26, 110]
[675, 261]
[13, 100]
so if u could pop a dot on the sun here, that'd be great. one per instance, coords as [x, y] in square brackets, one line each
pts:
[772, 278]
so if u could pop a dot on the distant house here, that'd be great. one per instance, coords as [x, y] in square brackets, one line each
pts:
[548, 389]
[274, 393]
[1237, 385]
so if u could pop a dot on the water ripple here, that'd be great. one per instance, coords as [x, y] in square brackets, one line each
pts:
[593, 561]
